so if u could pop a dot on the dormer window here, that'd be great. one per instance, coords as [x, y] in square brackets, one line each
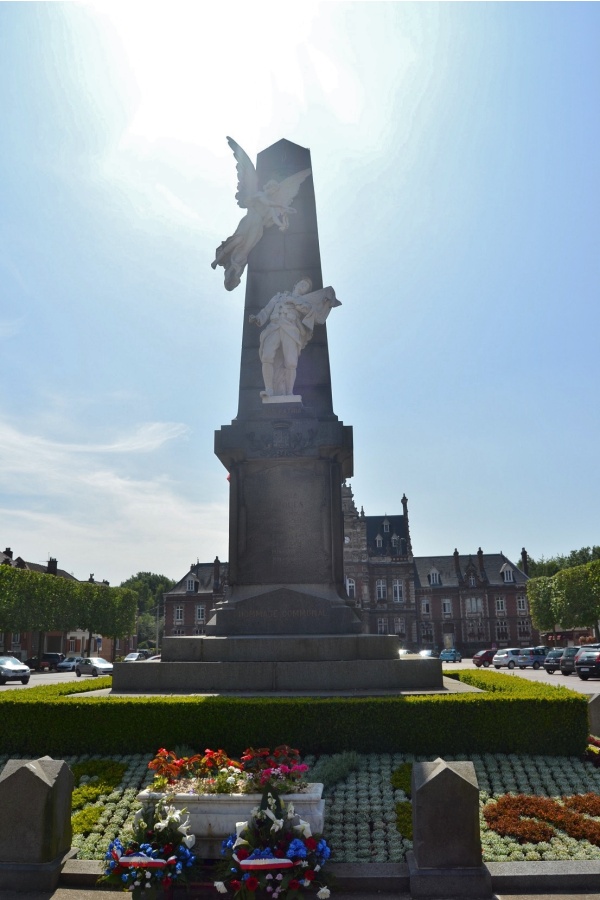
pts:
[395, 540]
[379, 541]
[472, 581]
[507, 575]
[386, 526]
[434, 577]
[191, 584]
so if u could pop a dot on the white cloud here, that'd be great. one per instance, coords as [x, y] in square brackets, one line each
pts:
[71, 501]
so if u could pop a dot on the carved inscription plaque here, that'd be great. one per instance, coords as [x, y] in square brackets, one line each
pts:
[287, 522]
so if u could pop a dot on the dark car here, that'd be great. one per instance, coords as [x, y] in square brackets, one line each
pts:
[47, 661]
[567, 660]
[587, 663]
[552, 661]
[483, 658]
[34, 662]
[532, 656]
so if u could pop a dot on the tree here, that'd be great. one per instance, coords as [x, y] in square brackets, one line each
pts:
[150, 589]
[540, 595]
[555, 564]
[576, 593]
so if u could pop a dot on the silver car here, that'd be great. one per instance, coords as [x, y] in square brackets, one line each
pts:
[12, 669]
[95, 665]
[69, 664]
[506, 657]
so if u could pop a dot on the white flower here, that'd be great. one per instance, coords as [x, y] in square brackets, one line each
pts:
[231, 780]
[189, 840]
[324, 893]
[220, 887]
[290, 811]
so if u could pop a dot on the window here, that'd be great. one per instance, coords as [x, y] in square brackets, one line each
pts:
[399, 625]
[425, 606]
[447, 608]
[434, 577]
[524, 627]
[386, 526]
[395, 541]
[502, 630]
[200, 613]
[16, 638]
[178, 617]
[379, 541]
[508, 575]
[118, 644]
[381, 589]
[178, 631]
[198, 631]
[397, 592]
[351, 588]
[382, 626]
[426, 631]
[500, 606]
[190, 584]
[472, 581]
[521, 604]
[71, 645]
[473, 606]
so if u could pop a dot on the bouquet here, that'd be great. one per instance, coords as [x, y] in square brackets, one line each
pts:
[157, 853]
[275, 852]
[281, 769]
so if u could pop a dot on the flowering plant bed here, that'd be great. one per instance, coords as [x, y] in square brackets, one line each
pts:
[157, 855]
[276, 852]
[216, 773]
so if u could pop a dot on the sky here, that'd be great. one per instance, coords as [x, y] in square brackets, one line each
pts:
[455, 161]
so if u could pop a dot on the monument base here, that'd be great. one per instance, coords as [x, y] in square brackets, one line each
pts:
[293, 664]
[456, 882]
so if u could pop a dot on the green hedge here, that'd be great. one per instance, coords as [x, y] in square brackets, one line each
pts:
[512, 716]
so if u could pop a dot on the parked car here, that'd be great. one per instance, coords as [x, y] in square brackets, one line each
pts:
[483, 658]
[137, 656]
[68, 664]
[429, 654]
[34, 662]
[506, 657]
[552, 661]
[567, 660]
[451, 655]
[95, 665]
[532, 656]
[12, 669]
[587, 662]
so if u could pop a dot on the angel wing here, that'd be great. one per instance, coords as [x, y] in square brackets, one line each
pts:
[247, 183]
[289, 187]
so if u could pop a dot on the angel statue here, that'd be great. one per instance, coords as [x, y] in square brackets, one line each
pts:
[271, 206]
[291, 317]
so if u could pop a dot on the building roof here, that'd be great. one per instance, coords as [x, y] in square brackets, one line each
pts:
[454, 570]
[387, 527]
[50, 568]
[203, 576]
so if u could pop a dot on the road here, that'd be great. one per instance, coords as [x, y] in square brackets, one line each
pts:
[570, 681]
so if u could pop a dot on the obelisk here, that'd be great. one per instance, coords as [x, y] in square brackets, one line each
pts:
[286, 456]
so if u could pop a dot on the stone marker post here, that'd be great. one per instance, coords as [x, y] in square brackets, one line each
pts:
[35, 823]
[594, 714]
[446, 859]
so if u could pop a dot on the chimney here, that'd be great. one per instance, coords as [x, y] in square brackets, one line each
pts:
[216, 574]
[405, 513]
[481, 565]
[524, 561]
[52, 567]
[91, 578]
[457, 565]
[8, 552]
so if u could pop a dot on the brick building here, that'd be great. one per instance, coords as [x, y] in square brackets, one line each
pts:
[465, 601]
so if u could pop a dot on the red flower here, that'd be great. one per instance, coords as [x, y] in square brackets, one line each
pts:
[279, 853]
[294, 885]
[309, 875]
[310, 843]
[235, 884]
[242, 853]
[168, 849]
[252, 883]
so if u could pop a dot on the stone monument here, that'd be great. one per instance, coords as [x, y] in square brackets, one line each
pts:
[286, 622]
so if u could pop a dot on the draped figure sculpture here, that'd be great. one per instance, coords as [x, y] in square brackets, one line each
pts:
[291, 317]
[266, 207]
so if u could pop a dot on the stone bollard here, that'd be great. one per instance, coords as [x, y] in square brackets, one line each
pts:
[446, 859]
[594, 715]
[35, 823]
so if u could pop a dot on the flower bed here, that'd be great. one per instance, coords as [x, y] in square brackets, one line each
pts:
[360, 809]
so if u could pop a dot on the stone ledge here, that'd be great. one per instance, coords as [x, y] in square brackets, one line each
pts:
[392, 878]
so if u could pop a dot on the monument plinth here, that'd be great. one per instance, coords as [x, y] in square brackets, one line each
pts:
[286, 623]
